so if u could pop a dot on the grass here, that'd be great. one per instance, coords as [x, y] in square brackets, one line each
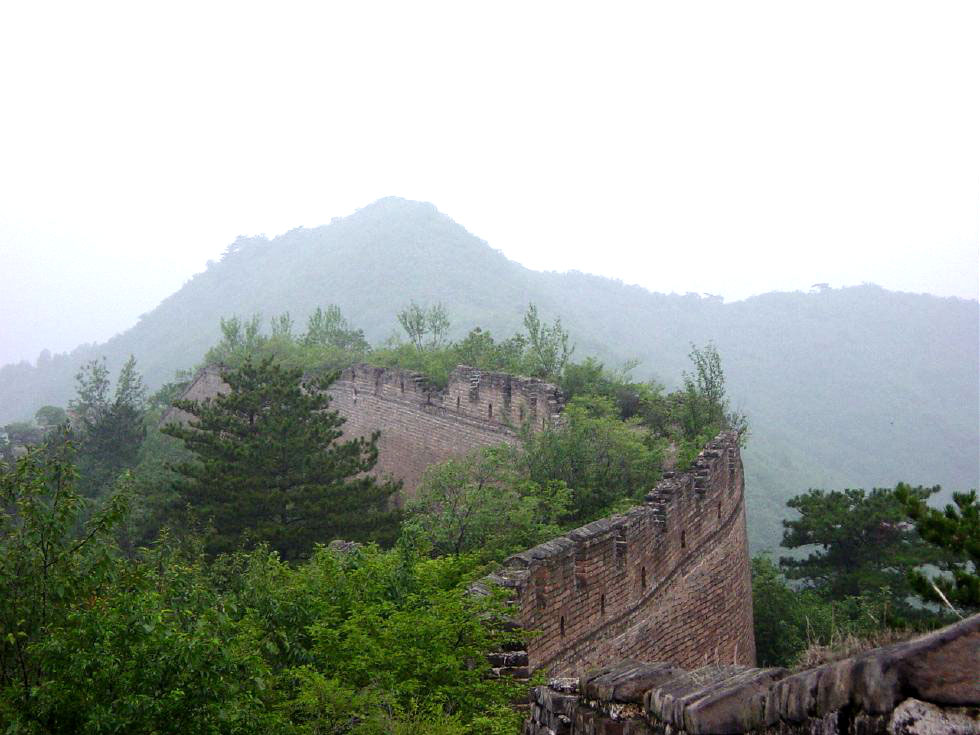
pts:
[846, 645]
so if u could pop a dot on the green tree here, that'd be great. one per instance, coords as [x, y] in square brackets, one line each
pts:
[708, 380]
[155, 504]
[329, 341]
[426, 328]
[644, 401]
[778, 614]
[49, 562]
[604, 461]
[955, 530]
[367, 641]
[862, 542]
[239, 339]
[479, 350]
[704, 403]
[548, 347]
[270, 467]
[695, 414]
[353, 642]
[328, 328]
[541, 351]
[110, 428]
[789, 620]
[160, 648]
[282, 327]
[484, 503]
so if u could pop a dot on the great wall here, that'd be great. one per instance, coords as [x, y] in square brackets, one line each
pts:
[643, 620]
[421, 424]
[666, 581]
[926, 686]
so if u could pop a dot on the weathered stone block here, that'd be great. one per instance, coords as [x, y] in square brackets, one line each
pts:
[914, 717]
[733, 705]
[627, 681]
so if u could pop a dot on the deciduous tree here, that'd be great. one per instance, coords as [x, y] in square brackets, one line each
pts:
[548, 347]
[705, 406]
[484, 503]
[47, 565]
[426, 328]
[604, 461]
[328, 328]
[109, 429]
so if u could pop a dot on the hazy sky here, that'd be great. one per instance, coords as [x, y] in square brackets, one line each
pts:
[731, 148]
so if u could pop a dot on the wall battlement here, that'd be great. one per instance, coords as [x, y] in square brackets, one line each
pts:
[668, 580]
[491, 400]
[656, 602]
[665, 581]
[421, 424]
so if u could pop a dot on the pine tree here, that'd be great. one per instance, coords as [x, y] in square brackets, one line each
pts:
[858, 543]
[956, 530]
[270, 466]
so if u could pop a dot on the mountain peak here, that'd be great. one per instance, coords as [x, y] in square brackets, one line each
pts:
[903, 367]
[396, 206]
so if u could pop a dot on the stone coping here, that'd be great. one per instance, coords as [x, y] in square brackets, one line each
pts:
[940, 669]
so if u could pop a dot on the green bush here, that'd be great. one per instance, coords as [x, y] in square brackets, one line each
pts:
[350, 641]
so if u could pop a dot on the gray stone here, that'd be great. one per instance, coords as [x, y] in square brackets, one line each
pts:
[914, 717]
[628, 681]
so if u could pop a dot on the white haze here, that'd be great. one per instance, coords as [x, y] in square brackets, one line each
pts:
[727, 148]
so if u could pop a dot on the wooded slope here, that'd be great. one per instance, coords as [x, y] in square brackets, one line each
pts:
[845, 387]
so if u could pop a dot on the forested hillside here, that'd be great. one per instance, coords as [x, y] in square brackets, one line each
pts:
[846, 387]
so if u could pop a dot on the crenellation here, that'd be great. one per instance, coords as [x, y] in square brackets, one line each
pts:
[420, 424]
[667, 579]
[500, 398]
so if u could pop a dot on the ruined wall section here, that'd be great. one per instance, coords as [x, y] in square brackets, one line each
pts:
[421, 424]
[207, 383]
[667, 581]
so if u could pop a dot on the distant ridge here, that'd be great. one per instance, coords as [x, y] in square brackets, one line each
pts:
[845, 387]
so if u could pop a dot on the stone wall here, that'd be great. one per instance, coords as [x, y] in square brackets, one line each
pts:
[207, 383]
[419, 423]
[926, 686]
[667, 581]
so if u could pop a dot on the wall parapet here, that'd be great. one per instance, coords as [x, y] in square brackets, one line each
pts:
[493, 400]
[420, 423]
[925, 685]
[667, 580]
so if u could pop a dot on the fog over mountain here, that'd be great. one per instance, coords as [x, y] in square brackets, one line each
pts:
[719, 148]
[843, 387]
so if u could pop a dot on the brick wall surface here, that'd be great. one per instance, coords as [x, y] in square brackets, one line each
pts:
[667, 581]
[420, 424]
